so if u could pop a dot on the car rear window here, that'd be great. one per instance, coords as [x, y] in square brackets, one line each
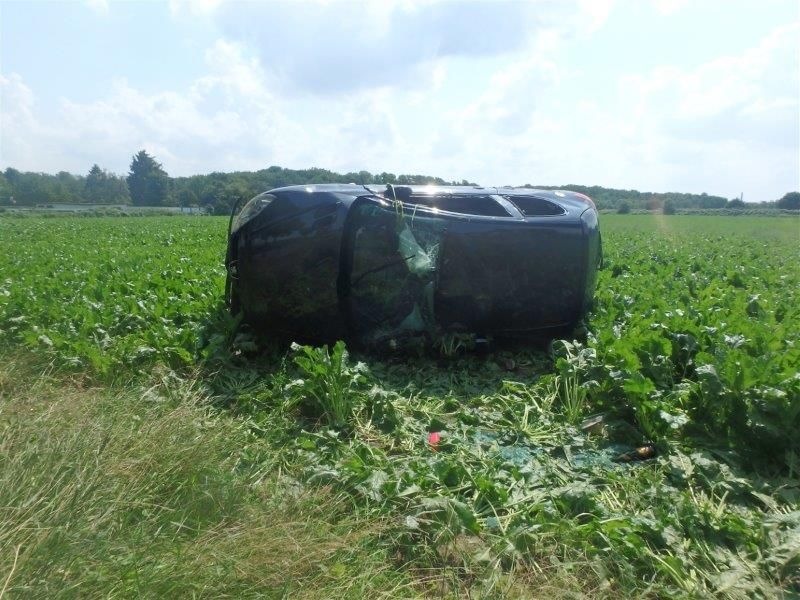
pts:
[533, 206]
[469, 205]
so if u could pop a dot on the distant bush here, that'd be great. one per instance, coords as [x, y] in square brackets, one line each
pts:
[736, 212]
[790, 201]
[624, 208]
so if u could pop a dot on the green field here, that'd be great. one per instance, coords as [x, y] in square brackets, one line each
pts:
[148, 446]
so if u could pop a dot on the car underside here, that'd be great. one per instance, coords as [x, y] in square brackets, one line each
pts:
[385, 268]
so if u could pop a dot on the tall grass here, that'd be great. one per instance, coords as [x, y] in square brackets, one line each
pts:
[146, 493]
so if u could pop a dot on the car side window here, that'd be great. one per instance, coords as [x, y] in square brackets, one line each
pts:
[391, 280]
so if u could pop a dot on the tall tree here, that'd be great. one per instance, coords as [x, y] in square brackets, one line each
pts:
[790, 200]
[70, 187]
[6, 192]
[96, 184]
[147, 181]
[102, 187]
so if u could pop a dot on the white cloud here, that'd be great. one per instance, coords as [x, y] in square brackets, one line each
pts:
[669, 7]
[227, 111]
[510, 100]
[593, 14]
[181, 8]
[336, 47]
[725, 120]
[717, 127]
[231, 69]
[23, 138]
[728, 96]
[100, 6]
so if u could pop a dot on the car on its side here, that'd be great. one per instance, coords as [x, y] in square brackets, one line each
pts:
[381, 266]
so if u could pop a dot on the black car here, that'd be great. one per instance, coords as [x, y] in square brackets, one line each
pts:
[380, 266]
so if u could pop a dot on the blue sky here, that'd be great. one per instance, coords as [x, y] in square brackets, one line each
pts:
[657, 95]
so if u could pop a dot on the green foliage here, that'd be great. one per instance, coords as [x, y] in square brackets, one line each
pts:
[610, 198]
[31, 189]
[148, 183]
[186, 198]
[573, 360]
[102, 187]
[41, 189]
[6, 191]
[217, 192]
[330, 388]
[112, 295]
[749, 210]
[692, 345]
[95, 182]
[705, 332]
[790, 201]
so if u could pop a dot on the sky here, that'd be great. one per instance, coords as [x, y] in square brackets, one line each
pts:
[656, 95]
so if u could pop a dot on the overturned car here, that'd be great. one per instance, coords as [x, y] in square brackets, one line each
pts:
[385, 266]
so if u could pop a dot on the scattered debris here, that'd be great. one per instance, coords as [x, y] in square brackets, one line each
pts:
[641, 453]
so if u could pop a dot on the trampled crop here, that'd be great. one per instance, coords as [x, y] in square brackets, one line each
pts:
[692, 351]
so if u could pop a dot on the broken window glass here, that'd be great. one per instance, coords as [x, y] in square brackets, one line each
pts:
[390, 288]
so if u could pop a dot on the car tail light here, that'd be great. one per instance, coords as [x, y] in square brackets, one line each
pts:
[585, 197]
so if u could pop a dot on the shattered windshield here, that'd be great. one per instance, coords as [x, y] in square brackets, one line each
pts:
[394, 263]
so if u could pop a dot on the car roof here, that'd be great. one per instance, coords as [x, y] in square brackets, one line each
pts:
[572, 203]
[356, 189]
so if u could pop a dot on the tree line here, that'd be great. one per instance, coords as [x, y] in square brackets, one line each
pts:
[31, 189]
[148, 184]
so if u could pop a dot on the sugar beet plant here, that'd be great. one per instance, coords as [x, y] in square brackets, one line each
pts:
[330, 388]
